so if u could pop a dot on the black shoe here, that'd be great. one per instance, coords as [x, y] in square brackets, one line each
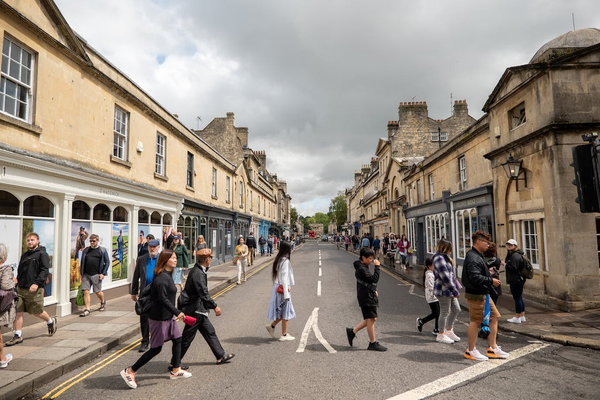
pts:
[351, 335]
[419, 325]
[143, 348]
[376, 347]
[182, 367]
[15, 340]
[435, 332]
[53, 327]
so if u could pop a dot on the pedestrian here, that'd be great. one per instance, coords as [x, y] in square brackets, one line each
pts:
[376, 246]
[446, 289]
[8, 301]
[143, 275]
[477, 280]
[163, 325]
[270, 245]
[251, 243]
[182, 260]
[262, 242]
[32, 272]
[494, 264]
[386, 244]
[403, 246]
[516, 282]
[347, 242]
[281, 308]
[200, 243]
[199, 305]
[434, 303]
[355, 242]
[242, 263]
[95, 262]
[368, 298]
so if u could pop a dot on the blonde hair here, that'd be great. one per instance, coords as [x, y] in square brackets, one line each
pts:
[444, 247]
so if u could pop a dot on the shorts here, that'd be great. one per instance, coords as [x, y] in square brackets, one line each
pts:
[87, 281]
[476, 309]
[369, 311]
[30, 302]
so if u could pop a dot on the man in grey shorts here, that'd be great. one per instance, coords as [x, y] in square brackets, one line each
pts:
[94, 267]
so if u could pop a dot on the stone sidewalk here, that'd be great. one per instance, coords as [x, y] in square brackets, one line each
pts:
[41, 358]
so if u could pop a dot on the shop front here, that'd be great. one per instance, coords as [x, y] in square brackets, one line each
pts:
[426, 224]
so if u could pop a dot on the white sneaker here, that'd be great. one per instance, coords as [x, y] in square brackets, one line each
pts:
[129, 378]
[475, 355]
[496, 353]
[180, 374]
[514, 320]
[443, 339]
[452, 335]
[271, 330]
[286, 338]
[4, 364]
[523, 319]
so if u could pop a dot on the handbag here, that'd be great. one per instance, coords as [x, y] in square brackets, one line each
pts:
[80, 300]
[280, 289]
[144, 302]
[236, 255]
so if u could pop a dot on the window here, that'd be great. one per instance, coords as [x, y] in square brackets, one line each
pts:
[241, 194]
[436, 226]
[16, 94]
[516, 117]
[410, 195]
[466, 225]
[411, 232]
[431, 191]
[214, 183]
[443, 136]
[598, 238]
[251, 201]
[190, 170]
[462, 167]
[227, 183]
[530, 242]
[264, 207]
[160, 154]
[419, 194]
[120, 134]
[435, 136]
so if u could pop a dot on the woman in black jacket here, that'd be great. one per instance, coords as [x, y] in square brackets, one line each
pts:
[161, 318]
[514, 265]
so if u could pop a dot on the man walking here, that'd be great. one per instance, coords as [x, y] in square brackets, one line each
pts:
[251, 243]
[477, 281]
[365, 242]
[198, 304]
[32, 272]
[261, 243]
[142, 277]
[94, 267]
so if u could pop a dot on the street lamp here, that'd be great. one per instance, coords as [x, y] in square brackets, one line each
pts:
[513, 168]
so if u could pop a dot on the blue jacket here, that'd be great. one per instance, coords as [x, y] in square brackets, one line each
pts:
[104, 264]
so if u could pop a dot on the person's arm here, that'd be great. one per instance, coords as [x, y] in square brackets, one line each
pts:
[202, 291]
[284, 278]
[476, 277]
[244, 251]
[105, 261]
[162, 297]
[40, 280]
[366, 276]
[186, 257]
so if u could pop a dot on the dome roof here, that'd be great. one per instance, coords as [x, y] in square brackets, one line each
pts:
[567, 43]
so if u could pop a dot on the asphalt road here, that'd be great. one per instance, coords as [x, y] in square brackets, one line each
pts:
[415, 366]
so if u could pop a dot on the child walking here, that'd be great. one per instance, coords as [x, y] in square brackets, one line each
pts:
[434, 303]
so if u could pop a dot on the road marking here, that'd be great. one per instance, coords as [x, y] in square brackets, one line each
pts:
[466, 374]
[320, 272]
[312, 323]
[319, 289]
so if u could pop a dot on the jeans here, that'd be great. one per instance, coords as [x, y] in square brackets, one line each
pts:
[449, 310]
[517, 293]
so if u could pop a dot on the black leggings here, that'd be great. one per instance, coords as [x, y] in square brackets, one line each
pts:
[150, 354]
[435, 313]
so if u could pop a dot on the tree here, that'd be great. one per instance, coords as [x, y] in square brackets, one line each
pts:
[338, 209]
[293, 217]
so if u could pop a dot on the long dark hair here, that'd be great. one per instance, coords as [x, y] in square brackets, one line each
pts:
[428, 262]
[285, 250]
[163, 257]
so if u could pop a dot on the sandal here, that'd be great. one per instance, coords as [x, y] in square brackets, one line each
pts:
[102, 307]
[225, 359]
[85, 313]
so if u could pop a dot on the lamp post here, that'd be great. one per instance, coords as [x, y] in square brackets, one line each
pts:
[513, 168]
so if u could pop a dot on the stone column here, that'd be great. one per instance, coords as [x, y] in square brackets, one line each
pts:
[62, 269]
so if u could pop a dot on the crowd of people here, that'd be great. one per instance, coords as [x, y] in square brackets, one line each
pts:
[396, 249]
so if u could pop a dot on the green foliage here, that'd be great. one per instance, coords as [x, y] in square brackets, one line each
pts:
[293, 216]
[338, 209]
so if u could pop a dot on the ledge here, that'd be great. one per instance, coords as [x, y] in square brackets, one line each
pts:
[161, 177]
[36, 130]
[124, 163]
[214, 197]
[191, 189]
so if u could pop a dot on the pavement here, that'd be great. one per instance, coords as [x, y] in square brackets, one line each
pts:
[41, 358]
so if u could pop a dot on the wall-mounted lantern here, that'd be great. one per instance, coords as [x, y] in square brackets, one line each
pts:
[513, 169]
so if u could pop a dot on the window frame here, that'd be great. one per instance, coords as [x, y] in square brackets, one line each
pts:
[227, 188]
[431, 188]
[190, 170]
[160, 163]
[528, 238]
[20, 85]
[517, 116]
[214, 183]
[462, 172]
[118, 134]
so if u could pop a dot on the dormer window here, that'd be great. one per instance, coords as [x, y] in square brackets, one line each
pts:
[516, 116]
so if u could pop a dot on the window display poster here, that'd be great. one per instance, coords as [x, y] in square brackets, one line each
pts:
[104, 232]
[45, 230]
[80, 231]
[214, 238]
[165, 234]
[9, 229]
[120, 250]
[157, 231]
[143, 231]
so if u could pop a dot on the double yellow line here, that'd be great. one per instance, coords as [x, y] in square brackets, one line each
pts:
[57, 391]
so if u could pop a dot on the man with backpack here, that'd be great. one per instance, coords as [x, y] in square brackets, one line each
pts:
[516, 272]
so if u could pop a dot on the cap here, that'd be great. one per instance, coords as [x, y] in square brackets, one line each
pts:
[176, 237]
[153, 242]
[204, 253]
[513, 242]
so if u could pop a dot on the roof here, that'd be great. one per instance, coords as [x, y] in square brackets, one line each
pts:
[567, 43]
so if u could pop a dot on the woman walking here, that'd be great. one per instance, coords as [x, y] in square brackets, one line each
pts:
[446, 288]
[281, 308]
[182, 261]
[434, 303]
[8, 300]
[161, 318]
[403, 246]
[242, 263]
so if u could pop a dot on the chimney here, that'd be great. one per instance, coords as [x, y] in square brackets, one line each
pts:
[230, 116]
[242, 134]
[460, 108]
[412, 110]
[357, 176]
[374, 162]
[365, 169]
[392, 128]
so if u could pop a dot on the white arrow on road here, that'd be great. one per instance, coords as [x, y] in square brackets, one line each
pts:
[312, 323]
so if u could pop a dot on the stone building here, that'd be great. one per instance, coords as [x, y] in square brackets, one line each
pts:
[318, 229]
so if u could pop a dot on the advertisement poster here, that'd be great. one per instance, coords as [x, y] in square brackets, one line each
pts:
[166, 231]
[45, 230]
[143, 231]
[79, 241]
[120, 247]
[9, 229]
[104, 232]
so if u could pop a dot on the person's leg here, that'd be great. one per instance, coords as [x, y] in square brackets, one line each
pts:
[472, 332]
[433, 314]
[101, 298]
[274, 323]
[145, 328]
[453, 315]
[517, 292]
[208, 333]
[2, 356]
[244, 268]
[176, 354]
[19, 323]
[239, 268]
[187, 337]
[444, 311]
[284, 327]
[362, 324]
[371, 329]
[86, 299]
[493, 332]
[44, 315]
[147, 356]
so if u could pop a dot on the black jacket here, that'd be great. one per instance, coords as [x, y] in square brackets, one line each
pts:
[34, 267]
[139, 274]
[163, 298]
[366, 284]
[251, 242]
[142, 249]
[514, 265]
[196, 287]
[476, 277]
[494, 262]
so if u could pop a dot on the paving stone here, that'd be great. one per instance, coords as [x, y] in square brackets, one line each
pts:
[110, 313]
[10, 375]
[75, 343]
[51, 354]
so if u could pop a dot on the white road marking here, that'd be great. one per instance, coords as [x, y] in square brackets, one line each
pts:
[311, 323]
[465, 375]
[320, 272]
[319, 262]
[318, 288]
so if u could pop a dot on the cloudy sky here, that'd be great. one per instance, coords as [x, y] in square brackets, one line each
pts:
[316, 81]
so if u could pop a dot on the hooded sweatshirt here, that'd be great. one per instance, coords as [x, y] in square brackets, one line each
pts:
[366, 284]
[34, 267]
[513, 266]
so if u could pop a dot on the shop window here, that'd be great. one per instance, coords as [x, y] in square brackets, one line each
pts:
[9, 204]
[101, 212]
[436, 226]
[530, 241]
[155, 218]
[517, 116]
[167, 219]
[16, 82]
[38, 206]
[120, 214]
[80, 210]
[143, 216]
[411, 233]
[466, 225]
